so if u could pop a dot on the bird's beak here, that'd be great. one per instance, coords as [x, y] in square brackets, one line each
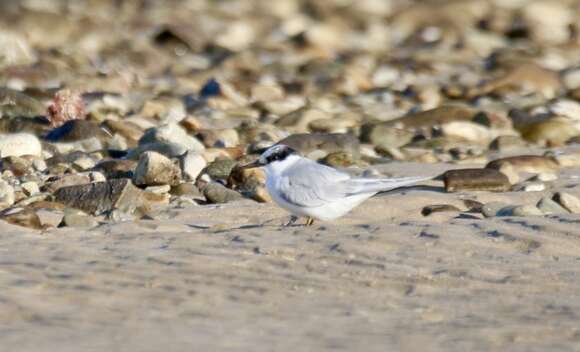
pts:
[251, 165]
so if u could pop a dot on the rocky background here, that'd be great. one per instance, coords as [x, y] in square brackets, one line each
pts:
[124, 116]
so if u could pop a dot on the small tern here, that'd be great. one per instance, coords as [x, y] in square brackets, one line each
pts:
[308, 189]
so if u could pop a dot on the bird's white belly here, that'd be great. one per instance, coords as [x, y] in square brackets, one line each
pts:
[327, 211]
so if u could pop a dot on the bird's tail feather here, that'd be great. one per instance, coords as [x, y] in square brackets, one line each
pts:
[368, 185]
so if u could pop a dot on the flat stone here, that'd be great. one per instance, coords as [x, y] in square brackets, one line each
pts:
[475, 180]
[99, 197]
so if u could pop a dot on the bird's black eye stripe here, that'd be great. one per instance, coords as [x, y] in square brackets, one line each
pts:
[280, 154]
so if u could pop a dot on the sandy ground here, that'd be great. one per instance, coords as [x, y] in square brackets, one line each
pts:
[224, 278]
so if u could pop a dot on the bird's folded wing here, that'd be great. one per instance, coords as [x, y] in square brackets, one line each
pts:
[310, 184]
[369, 185]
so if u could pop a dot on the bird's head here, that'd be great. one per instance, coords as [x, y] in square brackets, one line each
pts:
[273, 155]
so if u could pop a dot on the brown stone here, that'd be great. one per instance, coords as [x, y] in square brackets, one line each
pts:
[475, 180]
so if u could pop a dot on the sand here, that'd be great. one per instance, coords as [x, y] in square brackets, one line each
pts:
[230, 277]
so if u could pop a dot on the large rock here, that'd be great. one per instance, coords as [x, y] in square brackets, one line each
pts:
[100, 197]
[19, 144]
[156, 169]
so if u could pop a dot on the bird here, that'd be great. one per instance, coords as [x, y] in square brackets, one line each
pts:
[306, 188]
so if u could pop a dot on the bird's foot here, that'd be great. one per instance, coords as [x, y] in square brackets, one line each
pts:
[309, 221]
[292, 220]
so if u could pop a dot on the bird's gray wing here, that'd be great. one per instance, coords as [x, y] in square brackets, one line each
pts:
[369, 185]
[310, 184]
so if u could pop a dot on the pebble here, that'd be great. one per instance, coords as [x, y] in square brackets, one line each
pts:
[173, 134]
[530, 187]
[506, 143]
[475, 180]
[191, 163]
[216, 193]
[384, 135]
[19, 144]
[549, 206]
[568, 201]
[527, 163]
[77, 218]
[553, 132]
[154, 169]
[468, 131]
[7, 194]
[523, 210]
[30, 188]
[493, 208]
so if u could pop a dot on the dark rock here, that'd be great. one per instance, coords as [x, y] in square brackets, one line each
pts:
[99, 197]
[475, 180]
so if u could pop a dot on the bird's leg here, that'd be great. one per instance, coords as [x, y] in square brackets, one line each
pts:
[292, 220]
[309, 221]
